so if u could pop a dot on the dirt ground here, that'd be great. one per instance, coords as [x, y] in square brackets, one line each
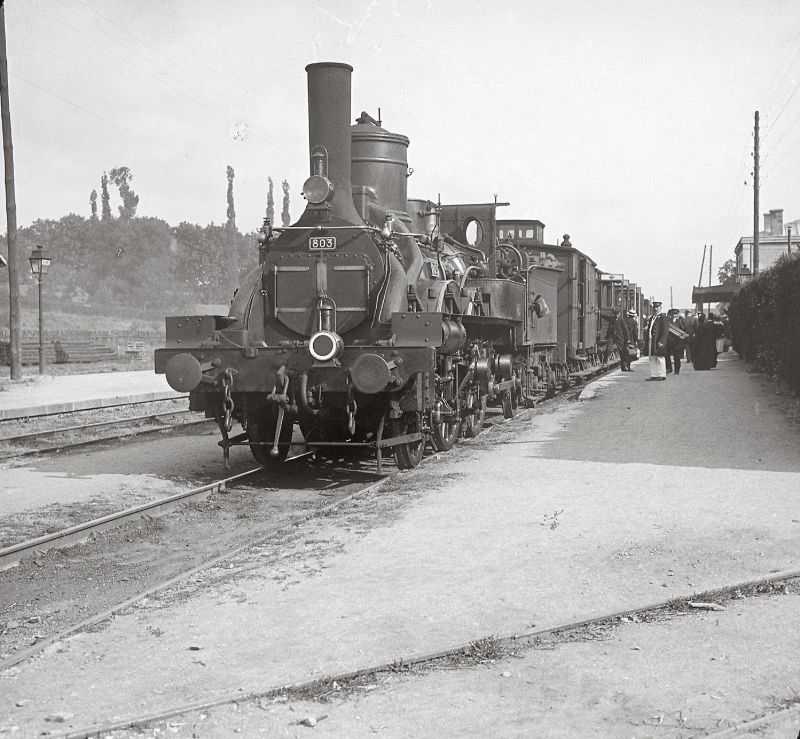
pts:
[566, 512]
[674, 675]
[53, 590]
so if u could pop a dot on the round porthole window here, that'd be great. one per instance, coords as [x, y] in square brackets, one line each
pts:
[473, 230]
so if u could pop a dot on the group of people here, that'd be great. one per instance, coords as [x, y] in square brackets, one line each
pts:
[666, 337]
[669, 334]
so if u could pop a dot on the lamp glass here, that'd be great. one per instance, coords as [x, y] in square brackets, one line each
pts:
[40, 261]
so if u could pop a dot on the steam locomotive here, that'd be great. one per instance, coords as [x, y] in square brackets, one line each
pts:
[374, 321]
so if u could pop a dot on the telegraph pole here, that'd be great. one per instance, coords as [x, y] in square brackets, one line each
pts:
[710, 259]
[755, 197]
[11, 209]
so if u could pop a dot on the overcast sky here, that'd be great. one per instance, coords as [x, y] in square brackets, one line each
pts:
[627, 124]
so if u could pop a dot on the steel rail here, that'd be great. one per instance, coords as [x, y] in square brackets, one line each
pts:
[291, 523]
[97, 406]
[100, 439]
[9, 556]
[96, 424]
[419, 660]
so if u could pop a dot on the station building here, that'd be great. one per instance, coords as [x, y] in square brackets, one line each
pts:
[777, 238]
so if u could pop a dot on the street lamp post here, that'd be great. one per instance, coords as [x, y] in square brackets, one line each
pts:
[40, 261]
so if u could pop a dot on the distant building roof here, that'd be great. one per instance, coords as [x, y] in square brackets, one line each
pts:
[714, 293]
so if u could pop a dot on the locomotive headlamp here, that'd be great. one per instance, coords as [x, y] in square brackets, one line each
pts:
[317, 189]
[325, 345]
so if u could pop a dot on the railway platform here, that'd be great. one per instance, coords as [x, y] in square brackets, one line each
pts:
[642, 492]
[39, 395]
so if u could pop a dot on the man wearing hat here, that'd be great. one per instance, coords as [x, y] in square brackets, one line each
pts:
[676, 340]
[656, 336]
[632, 321]
[624, 339]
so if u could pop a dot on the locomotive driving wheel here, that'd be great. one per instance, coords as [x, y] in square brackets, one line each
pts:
[444, 433]
[407, 455]
[261, 429]
[473, 413]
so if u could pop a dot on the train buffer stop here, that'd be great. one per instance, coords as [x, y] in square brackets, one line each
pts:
[626, 494]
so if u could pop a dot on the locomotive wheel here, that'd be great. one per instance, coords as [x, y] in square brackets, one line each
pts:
[445, 434]
[261, 428]
[474, 413]
[409, 455]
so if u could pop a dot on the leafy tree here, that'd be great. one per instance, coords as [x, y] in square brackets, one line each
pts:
[93, 204]
[231, 222]
[121, 177]
[270, 201]
[285, 217]
[105, 198]
[135, 267]
[727, 273]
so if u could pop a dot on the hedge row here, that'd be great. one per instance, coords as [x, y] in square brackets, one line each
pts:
[765, 320]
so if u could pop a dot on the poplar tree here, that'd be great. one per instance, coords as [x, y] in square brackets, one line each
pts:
[93, 204]
[270, 201]
[121, 177]
[105, 198]
[231, 222]
[285, 217]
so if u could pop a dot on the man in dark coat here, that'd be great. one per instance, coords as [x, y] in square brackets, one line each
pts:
[623, 338]
[675, 342]
[691, 326]
[611, 332]
[656, 337]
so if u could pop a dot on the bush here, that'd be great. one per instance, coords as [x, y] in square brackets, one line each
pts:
[765, 321]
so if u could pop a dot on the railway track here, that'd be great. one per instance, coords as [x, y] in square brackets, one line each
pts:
[12, 555]
[15, 553]
[35, 442]
[472, 651]
[9, 556]
[81, 532]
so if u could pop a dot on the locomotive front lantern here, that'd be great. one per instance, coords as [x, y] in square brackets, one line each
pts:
[317, 189]
[325, 345]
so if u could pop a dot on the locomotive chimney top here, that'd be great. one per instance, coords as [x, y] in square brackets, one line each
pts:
[330, 149]
[314, 65]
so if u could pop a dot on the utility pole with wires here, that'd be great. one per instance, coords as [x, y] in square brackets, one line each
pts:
[710, 259]
[15, 348]
[755, 196]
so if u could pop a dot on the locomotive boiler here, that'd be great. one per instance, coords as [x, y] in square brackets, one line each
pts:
[371, 322]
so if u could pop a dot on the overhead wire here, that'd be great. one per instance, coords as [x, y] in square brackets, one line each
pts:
[790, 74]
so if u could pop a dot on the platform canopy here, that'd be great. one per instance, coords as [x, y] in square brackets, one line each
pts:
[714, 294]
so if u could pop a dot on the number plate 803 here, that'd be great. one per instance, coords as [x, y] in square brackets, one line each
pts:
[321, 243]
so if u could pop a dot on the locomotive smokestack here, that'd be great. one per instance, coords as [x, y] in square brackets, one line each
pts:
[329, 133]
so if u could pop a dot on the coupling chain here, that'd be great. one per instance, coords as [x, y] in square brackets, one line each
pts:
[352, 409]
[227, 401]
